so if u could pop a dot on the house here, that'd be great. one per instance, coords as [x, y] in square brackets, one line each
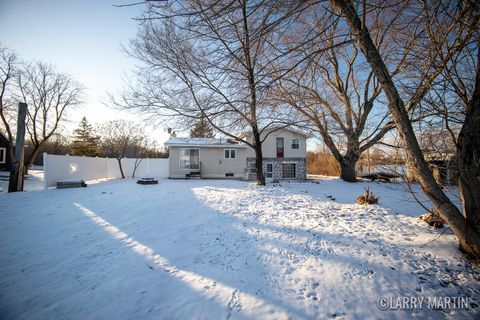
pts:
[4, 159]
[284, 157]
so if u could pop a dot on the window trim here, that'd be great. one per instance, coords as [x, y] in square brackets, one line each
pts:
[3, 159]
[189, 164]
[230, 153]
[297, 144]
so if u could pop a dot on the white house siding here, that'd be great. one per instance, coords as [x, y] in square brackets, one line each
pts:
[269, 146]
[212, 163]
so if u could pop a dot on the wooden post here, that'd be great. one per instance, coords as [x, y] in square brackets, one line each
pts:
[18, 168]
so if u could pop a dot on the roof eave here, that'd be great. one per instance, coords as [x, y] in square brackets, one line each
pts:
[205, 145]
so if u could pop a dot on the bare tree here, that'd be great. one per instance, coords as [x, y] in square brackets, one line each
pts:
[120, 138]
[49, 95]
[142, 150]
[334, 93]
[9, 65]
[209, 59]
[464, 16]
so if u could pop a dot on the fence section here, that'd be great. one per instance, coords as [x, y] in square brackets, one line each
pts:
[57, 168]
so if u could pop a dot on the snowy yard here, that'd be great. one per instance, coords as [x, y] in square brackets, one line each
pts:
[33, 181]
[206, 249]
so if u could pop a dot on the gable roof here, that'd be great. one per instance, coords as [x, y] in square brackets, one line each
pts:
[203, 142]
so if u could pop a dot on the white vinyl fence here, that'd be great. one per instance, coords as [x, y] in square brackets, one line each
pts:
[57, 168]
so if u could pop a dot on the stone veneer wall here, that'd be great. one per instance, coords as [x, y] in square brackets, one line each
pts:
[301, 167]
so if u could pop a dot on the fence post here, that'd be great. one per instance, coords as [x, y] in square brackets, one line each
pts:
[148, 167]
[107, 175]
[45, 168]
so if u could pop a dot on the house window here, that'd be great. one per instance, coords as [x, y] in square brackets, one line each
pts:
[280, 147]
[253, 168]
[189, 159]
[3, 155]
[289, 170]
[295, 144]
[230, 153]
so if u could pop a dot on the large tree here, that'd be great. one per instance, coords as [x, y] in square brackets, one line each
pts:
[455, 25]
[212, 58]
[202, 129]
[9, 66]
[334, 93]
[341, 97]
[49, 94]
[85, 142]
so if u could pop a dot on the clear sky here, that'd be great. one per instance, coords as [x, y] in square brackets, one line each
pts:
[80, 37]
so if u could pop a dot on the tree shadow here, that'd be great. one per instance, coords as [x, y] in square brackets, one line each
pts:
[227, 251]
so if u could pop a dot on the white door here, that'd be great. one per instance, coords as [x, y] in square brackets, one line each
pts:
[269, 172]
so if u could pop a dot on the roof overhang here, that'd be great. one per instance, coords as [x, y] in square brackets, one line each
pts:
[195, 145]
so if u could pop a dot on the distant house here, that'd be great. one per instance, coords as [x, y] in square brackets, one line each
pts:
[4, 159]
[284, 157]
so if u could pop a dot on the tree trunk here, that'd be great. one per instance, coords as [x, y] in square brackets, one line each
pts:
[136, 165]
[348, 162]
[468, 235]
[120, 167]
[411, 174]
[34, 154]
[468, 156]
[258, 159]
[347, 170]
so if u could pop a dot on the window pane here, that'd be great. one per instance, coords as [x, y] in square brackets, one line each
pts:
[227, 153]
[295, 144]
[289, 170]
[232, 153]
[194, 159]
[184, 158]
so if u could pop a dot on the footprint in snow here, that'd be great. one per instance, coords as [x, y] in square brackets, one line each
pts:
[312, 295]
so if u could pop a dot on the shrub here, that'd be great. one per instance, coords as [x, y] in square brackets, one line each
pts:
[322, 163]
[367, 198]
[433, 219]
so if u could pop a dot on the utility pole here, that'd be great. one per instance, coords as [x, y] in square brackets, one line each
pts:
[18, 168]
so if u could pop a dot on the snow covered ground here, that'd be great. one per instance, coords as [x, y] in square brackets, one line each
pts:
[33, 181]
[207, 249]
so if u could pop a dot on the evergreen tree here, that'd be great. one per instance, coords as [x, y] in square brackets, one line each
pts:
[202, 129]
[85, 143]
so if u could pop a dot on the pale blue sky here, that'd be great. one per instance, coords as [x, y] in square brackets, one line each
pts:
[80, 37]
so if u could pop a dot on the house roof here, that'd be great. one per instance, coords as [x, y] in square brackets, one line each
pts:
[277, 128]
[204, 142]
[3, 138]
